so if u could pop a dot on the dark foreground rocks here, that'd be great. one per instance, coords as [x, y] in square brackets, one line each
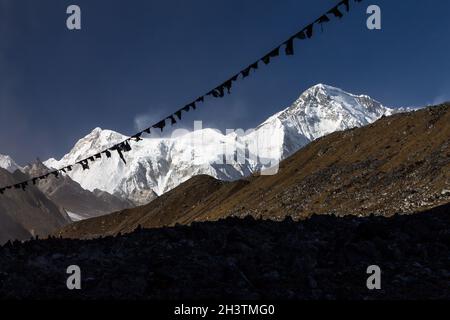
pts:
[322, 258]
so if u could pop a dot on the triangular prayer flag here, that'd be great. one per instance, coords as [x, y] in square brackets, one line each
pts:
[336, 12]
[346, 4]
[289, 47]
[118, 148]
[178, 114]
[227, 85]
[221, 91]
[218, 92]
[246, 72]
[125, 146]
[323, 19]
[301, 35]
[274, 53]
[84, 164]
[172, 120]
[121, 156]
[309, 30]
[160, 125]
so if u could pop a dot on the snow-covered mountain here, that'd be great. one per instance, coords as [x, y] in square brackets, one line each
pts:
[7, 163]
[319, 111]
[154, 166]
[157, 165]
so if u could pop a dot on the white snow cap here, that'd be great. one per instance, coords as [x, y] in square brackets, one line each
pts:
[161, 164]
[6, 162]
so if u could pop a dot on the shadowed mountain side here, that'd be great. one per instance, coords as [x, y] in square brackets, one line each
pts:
[24, 214]
[73, 198]
[11, 229]
[399, 164]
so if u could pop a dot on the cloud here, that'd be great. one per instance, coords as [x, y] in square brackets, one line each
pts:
[219, 114]
[228, 113]
[142, 121]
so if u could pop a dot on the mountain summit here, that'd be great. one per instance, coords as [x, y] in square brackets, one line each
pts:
[7, 163]
[157, 165]
[319, 111]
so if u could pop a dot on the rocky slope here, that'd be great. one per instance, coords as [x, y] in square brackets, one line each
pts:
[325, 257]
[78, 202]
[24, 214]
[158, 165]
[399, 164]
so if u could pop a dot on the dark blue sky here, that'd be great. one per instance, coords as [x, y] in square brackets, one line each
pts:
[134, 61]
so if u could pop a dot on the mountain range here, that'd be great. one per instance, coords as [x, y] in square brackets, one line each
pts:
[398, 165]
[157, 165]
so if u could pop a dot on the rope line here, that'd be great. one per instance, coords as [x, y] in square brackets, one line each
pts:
[218, 92]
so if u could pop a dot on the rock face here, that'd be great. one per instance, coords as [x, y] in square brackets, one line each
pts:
[78, 202]
[155, 166]
[24, 214]
[324, 257]
[399, 164]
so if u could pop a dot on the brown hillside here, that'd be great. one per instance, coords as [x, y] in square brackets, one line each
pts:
[187, 196]
[400, 164]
